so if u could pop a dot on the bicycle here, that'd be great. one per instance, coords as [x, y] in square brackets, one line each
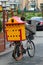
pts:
[19, 50]
[15, 32]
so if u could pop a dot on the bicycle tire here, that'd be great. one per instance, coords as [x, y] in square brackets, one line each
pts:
[16, 51]
[29, 50]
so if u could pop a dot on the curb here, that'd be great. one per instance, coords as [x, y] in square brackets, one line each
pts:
[6, 51]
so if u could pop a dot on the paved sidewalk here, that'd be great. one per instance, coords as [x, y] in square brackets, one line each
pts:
[7, 50]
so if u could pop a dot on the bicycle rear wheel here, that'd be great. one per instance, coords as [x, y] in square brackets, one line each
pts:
[17, 55]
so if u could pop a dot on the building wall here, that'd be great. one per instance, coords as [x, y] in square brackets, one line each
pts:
[39, 1]
[22, 4]
[26, 3]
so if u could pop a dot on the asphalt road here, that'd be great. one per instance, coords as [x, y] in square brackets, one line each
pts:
[26, 60]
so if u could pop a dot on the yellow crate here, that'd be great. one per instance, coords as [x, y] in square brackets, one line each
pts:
[15, 31]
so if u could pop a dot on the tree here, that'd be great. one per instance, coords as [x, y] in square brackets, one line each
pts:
[41, 6]
[0, 26]
[25, 9]
[18, 11]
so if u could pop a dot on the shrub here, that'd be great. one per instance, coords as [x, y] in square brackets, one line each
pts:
[18, 11]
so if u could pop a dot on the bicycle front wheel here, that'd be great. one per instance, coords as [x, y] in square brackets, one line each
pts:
[31, 48]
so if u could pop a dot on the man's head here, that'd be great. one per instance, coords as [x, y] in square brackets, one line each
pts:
[23, 18]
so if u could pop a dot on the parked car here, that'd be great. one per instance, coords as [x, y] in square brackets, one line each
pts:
[39, 23]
